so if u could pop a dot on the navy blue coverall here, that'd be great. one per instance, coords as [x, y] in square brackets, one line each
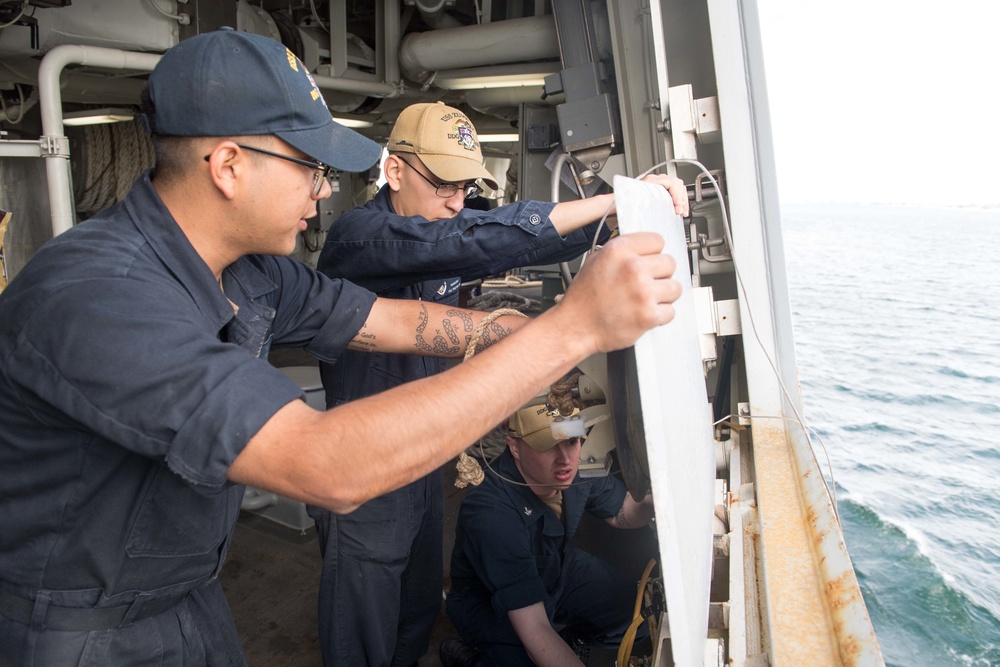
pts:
[380, 592]
[127, 388]
[512, 551]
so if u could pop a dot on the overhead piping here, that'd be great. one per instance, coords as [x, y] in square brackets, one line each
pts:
[53, 142]
[55, 145]
[370, 88]
[503, 42]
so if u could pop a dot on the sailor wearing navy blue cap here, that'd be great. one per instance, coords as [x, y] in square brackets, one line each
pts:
[135, 370]
[135, 395]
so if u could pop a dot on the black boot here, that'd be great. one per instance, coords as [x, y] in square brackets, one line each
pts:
[455, 653]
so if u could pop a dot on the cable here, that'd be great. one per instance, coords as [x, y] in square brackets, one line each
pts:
[600, 225]
[582, 482]
[807, 429]
[181, 18]
[24, 5]
[830, 486]
[625, 648]
[315, 14]
[20, 105]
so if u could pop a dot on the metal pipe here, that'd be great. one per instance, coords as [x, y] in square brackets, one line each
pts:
[18, 148]
[557, 168]
[390, 40]
[502, 42]
[54, 144]
[370, 88]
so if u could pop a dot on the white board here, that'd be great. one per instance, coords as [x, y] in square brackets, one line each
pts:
[678, 430]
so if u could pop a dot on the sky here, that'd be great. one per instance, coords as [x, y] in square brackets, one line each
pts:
[894, 101]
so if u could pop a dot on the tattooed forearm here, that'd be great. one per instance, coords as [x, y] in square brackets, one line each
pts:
[439, 344]
[466, 318]
[364, 340]
[449, 330]
[621, 521]
[493, 334]
[420, 343]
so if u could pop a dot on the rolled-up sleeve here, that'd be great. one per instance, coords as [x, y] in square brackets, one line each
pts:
[606, 497]
[312, 311]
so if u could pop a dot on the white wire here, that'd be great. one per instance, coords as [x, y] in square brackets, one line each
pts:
[583, 480]
[20, 106]
[24, 5]
[176, 17]
[312, 6]
[831, 486]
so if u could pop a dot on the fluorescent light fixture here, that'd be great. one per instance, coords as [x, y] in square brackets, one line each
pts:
[353, 122]
[501, 76]
[96, 116]
[497, 138]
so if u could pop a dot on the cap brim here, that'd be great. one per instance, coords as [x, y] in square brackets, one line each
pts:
[455, 169]
[335, 146]
[540, 443]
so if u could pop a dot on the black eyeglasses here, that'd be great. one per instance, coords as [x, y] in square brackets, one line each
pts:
[448, 190]
[323, 172]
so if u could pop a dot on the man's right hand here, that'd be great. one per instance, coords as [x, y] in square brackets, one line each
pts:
[623, 290]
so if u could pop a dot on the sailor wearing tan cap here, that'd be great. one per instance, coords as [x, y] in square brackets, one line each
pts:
[380, 592]
[514, 574]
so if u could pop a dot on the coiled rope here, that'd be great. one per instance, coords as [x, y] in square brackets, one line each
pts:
[114, 155]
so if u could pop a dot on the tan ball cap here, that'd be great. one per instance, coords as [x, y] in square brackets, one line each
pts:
[444, 139]
[542, 428]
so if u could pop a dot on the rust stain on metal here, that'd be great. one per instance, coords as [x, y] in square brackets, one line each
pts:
[799, 635]
[813, 604]
[842, 593]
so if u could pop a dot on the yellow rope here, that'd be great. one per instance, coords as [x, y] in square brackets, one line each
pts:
[5, 217]
[625, 649]
[481, 327]
[469, 470]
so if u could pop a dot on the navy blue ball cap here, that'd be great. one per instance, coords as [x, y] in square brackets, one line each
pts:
[229, 83]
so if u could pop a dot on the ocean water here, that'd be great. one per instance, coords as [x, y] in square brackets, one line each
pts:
[896, 316]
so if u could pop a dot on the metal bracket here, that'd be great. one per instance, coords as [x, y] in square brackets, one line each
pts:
[744, 414]
[692, 121]
[714, 318]
[718, 175]
[52, 146]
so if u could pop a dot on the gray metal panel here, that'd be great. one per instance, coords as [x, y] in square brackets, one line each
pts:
[632, 42]
[206, 16]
